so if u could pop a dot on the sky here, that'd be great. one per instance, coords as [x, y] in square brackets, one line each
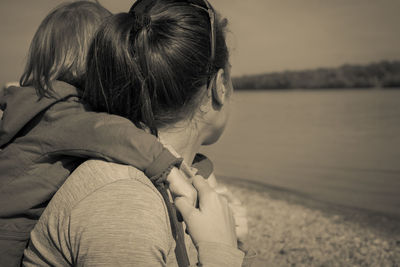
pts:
[264, 35]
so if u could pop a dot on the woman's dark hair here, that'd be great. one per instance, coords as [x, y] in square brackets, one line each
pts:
[148, 65]
[59, 47]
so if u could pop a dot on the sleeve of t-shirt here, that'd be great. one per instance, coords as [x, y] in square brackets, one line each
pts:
[121, 224]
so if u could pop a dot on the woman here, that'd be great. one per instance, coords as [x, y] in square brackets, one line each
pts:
[45, 132]
[164, 66]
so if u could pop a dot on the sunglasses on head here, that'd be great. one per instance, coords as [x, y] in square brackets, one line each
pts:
[205, 5]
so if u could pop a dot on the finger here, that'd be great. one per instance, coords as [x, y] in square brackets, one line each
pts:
[241, 229]
[212, 181]
[241, 233]
[188, 171]
[221, 189]
[184, 167]
[176, 174]
[232, 219]
[178, 183]
[201, 186]
[224, 191]
[184, 207]
[240, 221]
[238, 210]
[180, 186]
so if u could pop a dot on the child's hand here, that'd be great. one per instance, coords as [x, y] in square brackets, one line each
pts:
[213, 221]
[180, 186]
[239, 213]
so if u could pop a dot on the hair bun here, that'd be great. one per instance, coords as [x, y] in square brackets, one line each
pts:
[138, 11]
[141, 20]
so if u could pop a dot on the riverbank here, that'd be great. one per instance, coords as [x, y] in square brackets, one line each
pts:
[287, 229]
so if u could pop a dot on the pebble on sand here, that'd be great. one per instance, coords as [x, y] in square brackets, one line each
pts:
[288, 230]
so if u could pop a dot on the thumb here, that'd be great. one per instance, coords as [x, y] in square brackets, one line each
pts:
[185, 207]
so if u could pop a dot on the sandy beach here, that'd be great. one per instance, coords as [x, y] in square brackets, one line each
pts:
[287, 229]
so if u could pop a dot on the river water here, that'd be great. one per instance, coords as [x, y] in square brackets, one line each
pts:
[336, 146]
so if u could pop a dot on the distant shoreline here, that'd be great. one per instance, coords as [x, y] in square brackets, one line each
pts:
[384, 74]
[316, 89]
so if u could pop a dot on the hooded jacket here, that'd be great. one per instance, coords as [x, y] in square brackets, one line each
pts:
[42, 140]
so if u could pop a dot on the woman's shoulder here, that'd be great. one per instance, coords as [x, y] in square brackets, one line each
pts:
[106, 212]
[126, 210]
[103, 184]
[96, 177]
[116, 189]
[100, 185]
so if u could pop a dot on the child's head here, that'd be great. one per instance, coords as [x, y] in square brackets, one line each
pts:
[59, 48]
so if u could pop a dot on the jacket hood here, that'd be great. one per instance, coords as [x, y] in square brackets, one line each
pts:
[21, 104]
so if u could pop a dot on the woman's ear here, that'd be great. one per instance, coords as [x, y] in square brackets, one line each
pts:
[219, 90]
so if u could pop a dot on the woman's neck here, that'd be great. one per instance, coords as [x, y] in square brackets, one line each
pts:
[184, 138]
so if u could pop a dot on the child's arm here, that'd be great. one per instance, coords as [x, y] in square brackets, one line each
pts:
[113, 138]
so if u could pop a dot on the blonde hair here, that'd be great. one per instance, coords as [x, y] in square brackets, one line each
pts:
[59, 47]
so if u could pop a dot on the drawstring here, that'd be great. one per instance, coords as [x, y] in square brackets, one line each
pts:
[176, 226]
[204, 167]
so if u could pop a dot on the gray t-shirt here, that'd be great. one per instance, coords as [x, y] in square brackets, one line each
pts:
[109, 214]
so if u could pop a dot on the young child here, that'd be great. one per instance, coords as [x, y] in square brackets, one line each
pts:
[46, 132]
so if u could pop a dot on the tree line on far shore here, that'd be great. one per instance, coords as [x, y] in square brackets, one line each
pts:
[384, 74]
